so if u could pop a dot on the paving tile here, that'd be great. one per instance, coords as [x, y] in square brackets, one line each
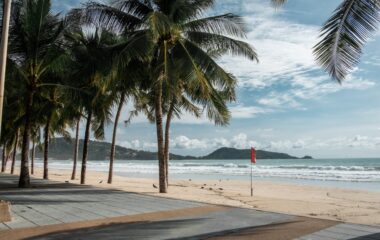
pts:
[3, 227]
[358, 227]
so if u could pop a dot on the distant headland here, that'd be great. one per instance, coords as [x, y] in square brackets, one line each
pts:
[61, 148]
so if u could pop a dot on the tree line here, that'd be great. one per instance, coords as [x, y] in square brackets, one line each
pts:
[161, 56]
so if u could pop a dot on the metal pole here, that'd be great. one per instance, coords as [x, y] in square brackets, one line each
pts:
[251, 182]
[4, 53]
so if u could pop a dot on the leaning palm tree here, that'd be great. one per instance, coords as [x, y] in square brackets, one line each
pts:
[175, 29]
[124, 87]
[72, 113]
[15, 148]
[35, 44]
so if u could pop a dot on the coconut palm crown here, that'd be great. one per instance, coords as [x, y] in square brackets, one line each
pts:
[174, 33]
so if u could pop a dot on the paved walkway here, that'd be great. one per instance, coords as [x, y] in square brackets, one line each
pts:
[52, 210]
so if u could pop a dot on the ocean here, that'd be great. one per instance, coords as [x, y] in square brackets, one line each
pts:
[343, 173]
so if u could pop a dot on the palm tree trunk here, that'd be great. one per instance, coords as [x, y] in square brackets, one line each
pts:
[4, 52]
[160, 139]
[3, 162]
[112, 155]
[33, 155]
[24, 180]
[46, 149]
[14, 155]
[76, 150]
[85, 149]
[7, 157]
[167, 140]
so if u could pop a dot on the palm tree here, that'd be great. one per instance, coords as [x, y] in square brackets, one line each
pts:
[36, 43]
[91, 55]
[12, 120]
[36, 141]
[73, 114]
[76, 149]
[175, 31]
[116, 122]
[51, 111]
[124, 87]
[3, 162]
[15, 146]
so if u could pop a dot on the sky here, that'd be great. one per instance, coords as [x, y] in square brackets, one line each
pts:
[285, 103]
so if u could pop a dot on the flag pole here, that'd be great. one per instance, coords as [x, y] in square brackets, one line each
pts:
[253, 161]
[251, 181]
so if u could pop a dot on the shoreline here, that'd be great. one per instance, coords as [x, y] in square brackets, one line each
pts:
[353, 206]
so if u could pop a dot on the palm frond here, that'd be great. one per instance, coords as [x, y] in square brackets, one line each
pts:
[187, 10]
[222, 45]
[107, 16]
[226, 24]
[344, 36]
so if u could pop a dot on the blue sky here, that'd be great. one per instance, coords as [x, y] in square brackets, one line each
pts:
[285, 103]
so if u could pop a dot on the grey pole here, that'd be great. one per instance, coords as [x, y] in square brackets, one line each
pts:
[4, 53]
[251, 181]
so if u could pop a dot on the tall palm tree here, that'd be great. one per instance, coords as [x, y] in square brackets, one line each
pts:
[76, 149]
[91, 55]
[124, 87]
[36, 38]
[12, 120]
[36, 141]
[175, 30]
[51, 109]
[121, 102]
[73, 114]
[3, 156]
[14, 154]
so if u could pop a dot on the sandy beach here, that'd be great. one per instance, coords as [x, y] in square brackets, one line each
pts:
[354, 206]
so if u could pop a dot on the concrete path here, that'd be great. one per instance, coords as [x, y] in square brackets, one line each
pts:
[345, 231]
[52, 210]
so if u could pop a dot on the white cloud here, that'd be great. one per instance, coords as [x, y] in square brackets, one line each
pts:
[358, 141]
[287, 67]
[242, 111]
[311, 88]
[183, 142]
[135, 144]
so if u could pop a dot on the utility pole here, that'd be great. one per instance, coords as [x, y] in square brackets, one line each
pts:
[4, 52]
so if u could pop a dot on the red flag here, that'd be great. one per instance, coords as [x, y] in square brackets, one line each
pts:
[253, 155]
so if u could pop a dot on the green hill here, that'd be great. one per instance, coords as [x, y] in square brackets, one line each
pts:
[233, 153]
[62, 149]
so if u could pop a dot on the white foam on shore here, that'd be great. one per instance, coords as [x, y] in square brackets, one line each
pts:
[268, 169]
